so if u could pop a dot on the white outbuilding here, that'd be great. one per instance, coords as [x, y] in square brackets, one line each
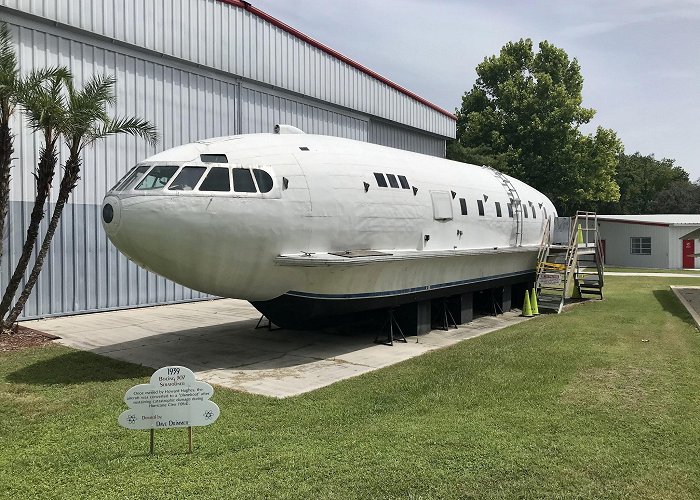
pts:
[662, 241]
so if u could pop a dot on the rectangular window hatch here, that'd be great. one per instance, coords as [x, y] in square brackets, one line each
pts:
[359, 253]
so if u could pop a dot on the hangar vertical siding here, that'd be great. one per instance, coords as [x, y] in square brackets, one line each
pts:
[193, 78]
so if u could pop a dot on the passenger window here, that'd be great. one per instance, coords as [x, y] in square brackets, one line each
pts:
[404, 182]
[218, 179]
[133, 178]
[510, 210]
[392, 180]
[187, 179]
[463, 205]
[381, 181]
[213, 158]
[525, 211]
[263, 179]
[534, 215]
[545, 212]
[157, 178]
[498, 209]
[480, 204]
[243, 181]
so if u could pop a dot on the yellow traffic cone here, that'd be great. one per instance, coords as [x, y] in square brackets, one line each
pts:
[579, 236]
[533, 302]
[527, 310]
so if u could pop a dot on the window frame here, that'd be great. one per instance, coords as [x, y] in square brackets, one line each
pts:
[640, 245]
[379, 175]
[206, 174]
[463, 206]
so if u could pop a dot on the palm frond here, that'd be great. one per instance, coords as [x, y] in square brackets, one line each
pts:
[137, 127]
[8, 65]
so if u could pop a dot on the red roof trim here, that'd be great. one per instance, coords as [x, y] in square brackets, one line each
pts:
[334, 53]
[626, 221]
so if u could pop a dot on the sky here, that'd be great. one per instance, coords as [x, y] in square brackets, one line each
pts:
[640, 59]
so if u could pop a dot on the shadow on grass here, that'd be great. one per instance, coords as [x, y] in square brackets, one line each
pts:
[671, 304]
[77, 368]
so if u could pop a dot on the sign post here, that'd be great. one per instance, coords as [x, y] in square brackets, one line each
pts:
[172, 398]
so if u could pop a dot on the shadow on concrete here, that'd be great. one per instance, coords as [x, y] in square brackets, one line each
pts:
[235, 345]
[77, 367]
[670, 303]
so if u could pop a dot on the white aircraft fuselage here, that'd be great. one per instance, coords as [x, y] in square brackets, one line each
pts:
[307, 226]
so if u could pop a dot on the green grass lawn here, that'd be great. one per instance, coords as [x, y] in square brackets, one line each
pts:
[575, 405]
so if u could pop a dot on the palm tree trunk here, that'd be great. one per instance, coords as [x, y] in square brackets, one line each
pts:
[6, 150]
[68, 183]
[44, 177]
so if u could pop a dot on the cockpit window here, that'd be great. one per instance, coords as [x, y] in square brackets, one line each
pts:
[218, 179]
[263, 179]
[187, 179]
[132, 178]
[123, 179]
[157, 178]
[243, 181]
[213, 158]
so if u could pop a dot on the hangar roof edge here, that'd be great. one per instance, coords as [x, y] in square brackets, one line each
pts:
[292, 31]
[655, 219]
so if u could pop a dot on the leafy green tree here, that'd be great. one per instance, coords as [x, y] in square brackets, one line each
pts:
[641, 178]
[525, 110]
[85, 121]
[680, 197]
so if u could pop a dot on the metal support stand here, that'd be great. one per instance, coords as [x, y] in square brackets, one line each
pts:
[153, 439]
[391, 320]
[268, 326]
[446, 319]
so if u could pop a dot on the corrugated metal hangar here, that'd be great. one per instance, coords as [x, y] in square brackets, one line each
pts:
[196, 69]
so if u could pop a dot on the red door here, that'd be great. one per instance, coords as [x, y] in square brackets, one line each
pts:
[688, 254]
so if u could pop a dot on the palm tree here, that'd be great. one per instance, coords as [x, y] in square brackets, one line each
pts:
[42, 96]
[8, 93]
[86, 121]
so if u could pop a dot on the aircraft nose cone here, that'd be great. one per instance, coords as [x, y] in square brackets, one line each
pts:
[111, 214]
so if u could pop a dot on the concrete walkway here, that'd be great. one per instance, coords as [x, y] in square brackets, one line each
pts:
[217, 339]
[653, 275]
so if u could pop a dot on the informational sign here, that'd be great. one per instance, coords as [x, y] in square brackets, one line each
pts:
[550, 279]
[173, 398]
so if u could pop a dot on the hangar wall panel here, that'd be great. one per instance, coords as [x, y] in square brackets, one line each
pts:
[390, 135]
[218, 35]
[262, 109]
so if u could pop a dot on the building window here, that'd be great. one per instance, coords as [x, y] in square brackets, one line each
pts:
[640, 245]
[498, 209]
[463, 205]
[381, 181]
[480, 204]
